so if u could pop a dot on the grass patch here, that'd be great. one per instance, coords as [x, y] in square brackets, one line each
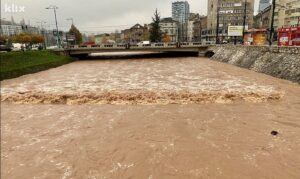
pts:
[15, 64]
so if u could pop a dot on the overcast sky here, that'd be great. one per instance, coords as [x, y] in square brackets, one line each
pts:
[94, 15]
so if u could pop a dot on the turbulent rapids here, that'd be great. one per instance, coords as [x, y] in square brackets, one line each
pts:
[143, 81]
[140, 97]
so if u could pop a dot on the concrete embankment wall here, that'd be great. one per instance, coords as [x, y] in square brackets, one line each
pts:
[280, 62]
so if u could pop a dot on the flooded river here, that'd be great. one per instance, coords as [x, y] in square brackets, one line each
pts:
[149, 118]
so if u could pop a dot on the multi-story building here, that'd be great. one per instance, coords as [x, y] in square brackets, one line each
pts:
[9, 28]
[199, 31]
[292, 13]
[138, 33]
[190, 26]
[263, 4]
[263, 19]
[230, 13]
[135, 34]
[287, 14]
[180, 13]
[169, 27]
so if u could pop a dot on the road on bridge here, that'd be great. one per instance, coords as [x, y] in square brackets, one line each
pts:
[149, 118]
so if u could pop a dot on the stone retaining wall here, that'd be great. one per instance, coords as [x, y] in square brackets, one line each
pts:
[281, 62]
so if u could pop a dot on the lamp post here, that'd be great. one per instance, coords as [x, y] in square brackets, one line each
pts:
[217, 28]
[71, 19]
[244, 22]
[272, 22]
[57, 32]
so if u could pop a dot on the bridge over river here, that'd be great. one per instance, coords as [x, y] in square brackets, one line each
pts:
[85, 50]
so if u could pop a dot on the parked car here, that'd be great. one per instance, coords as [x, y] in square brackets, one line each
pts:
[5, 48]
[52, 47]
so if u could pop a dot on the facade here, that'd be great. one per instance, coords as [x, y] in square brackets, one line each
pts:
[279, 15]
[230, 12]
[102, 38]
[263, 19]
[292, 13]
[125, 36]
[169, 27]
[8, 28]
[138, 33]
[180, 13]
[263, 4]
[135, 34]
[190, 26]
[199, 31]
[287, 13]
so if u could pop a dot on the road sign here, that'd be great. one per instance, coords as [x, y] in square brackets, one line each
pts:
[71, 37]
[236, 30]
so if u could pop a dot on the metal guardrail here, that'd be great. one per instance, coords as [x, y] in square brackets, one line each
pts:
[139, 46]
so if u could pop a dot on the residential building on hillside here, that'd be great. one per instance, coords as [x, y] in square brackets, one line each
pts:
[170, 28]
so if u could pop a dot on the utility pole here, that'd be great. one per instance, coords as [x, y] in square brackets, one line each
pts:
[218, 19]
[272, 22]
[57, 32]
[244, 22]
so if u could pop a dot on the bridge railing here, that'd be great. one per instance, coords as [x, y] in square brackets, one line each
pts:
[139, 46]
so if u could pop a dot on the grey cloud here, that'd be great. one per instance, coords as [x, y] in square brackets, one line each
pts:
[96, 15]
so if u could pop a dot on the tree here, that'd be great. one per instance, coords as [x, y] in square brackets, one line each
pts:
[76, 32]
[22, 38]
[25, 38]
[37, 39]
[3, 39]
[155, 34]
[166, 38]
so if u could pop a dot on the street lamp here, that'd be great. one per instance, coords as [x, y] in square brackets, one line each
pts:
[272, 22]
[244, 22]
[57, 32]
[71, 19]
[218, 19]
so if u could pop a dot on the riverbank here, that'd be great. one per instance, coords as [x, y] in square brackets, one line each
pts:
[15, 64]
[280, 62]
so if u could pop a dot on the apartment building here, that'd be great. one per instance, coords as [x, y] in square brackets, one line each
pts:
[230, 13]
[170, 27]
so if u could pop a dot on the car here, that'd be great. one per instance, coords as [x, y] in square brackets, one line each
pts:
[4, 48]
[52, 47]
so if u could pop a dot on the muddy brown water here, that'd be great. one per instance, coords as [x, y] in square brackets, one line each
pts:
[149, 118]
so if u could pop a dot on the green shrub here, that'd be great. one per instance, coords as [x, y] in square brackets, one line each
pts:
[15, 64]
